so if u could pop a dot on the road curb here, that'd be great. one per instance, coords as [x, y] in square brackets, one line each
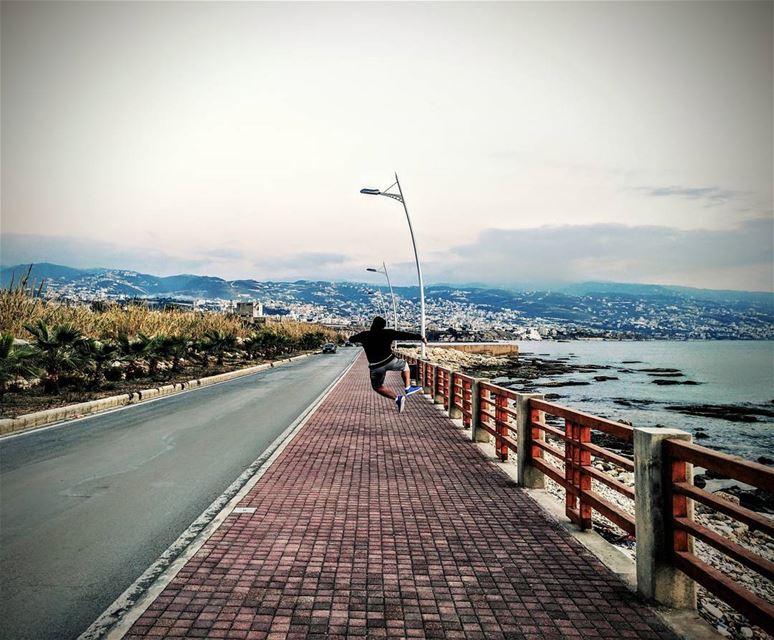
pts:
[118, 618]
[29, 421]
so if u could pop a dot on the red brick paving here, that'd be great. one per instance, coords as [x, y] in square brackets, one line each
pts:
[376, 524]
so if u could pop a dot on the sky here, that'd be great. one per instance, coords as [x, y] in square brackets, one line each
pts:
[536, 142]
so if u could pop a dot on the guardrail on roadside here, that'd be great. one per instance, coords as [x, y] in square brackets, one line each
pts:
[663, 494]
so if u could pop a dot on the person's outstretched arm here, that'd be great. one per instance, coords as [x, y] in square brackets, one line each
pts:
[358, 337]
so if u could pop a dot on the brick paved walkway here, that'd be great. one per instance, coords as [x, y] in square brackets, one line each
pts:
[380, 525]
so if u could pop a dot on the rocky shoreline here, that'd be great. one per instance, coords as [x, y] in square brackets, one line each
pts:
[534, 372]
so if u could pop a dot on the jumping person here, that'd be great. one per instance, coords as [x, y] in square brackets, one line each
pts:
[377, 344]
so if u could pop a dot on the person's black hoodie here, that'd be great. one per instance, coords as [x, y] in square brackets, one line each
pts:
[377, 342]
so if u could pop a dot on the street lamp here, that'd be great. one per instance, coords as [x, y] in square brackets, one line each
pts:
[392, 293]
[399, 197]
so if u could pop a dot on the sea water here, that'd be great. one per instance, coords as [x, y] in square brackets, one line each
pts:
[728, 373]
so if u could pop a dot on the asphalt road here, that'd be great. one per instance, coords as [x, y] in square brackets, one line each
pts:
[85, 508]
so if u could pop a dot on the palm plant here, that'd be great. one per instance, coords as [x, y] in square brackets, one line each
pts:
[16, 361]
[98, 354]
[58, 351]
[132, 351]
[174, 347]
[152, 350]
[312, 340]
[218, 342]
[255, 345]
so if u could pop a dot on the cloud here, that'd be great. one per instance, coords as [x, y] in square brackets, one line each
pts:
[712, 196]
[738, 259]
[303, 261]
[85, 253]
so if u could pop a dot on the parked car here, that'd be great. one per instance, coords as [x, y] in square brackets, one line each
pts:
[329, 347]
[348, 344]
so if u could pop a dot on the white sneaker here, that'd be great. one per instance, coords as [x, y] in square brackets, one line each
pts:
[400, 402]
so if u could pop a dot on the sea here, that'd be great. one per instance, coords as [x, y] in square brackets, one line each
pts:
[727, 373]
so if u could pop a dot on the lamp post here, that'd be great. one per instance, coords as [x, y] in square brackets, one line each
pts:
[399, 197]
[392, 293]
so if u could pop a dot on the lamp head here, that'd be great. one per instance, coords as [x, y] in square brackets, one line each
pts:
[371, 269]
[371, 192]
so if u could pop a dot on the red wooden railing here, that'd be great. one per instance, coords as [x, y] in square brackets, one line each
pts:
[497, 417]
[679, 491]
[573, 452]
[577, 455]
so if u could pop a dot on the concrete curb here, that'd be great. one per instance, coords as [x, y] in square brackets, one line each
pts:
[29, 421]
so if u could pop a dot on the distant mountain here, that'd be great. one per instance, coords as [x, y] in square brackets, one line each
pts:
[588, 308]
[652, 290]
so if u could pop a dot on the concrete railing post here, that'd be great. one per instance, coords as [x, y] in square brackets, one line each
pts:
[657, 579]
[526, 474]
[476, 433]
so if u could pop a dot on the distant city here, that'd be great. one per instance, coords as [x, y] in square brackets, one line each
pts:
[454, 312]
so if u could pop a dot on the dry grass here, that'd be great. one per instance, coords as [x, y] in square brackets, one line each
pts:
[19, 306]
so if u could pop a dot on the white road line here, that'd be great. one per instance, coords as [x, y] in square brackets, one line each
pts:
[118, 618]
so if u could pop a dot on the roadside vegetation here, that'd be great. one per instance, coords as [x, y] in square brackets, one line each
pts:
[53, 354]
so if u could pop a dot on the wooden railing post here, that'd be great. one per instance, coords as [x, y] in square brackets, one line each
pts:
[570, 497]
[657, 578]
[577, 480]
[448, 397]
[455, 410]
[526, 474]
[467, 396]
[583, 457]
[477, 434]
[501, 417]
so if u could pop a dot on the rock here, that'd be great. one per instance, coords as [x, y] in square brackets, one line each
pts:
[727, 497]
[765, 460]
[663, 383]
[753, 499]
[700, 435]
[604, 378]
[666, 375]
[565, 383]
[746, 632]
[731, 412]
[712, 610]
[699, 481]
[714, 475]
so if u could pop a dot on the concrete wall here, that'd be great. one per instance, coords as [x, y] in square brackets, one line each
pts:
[484, 348]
